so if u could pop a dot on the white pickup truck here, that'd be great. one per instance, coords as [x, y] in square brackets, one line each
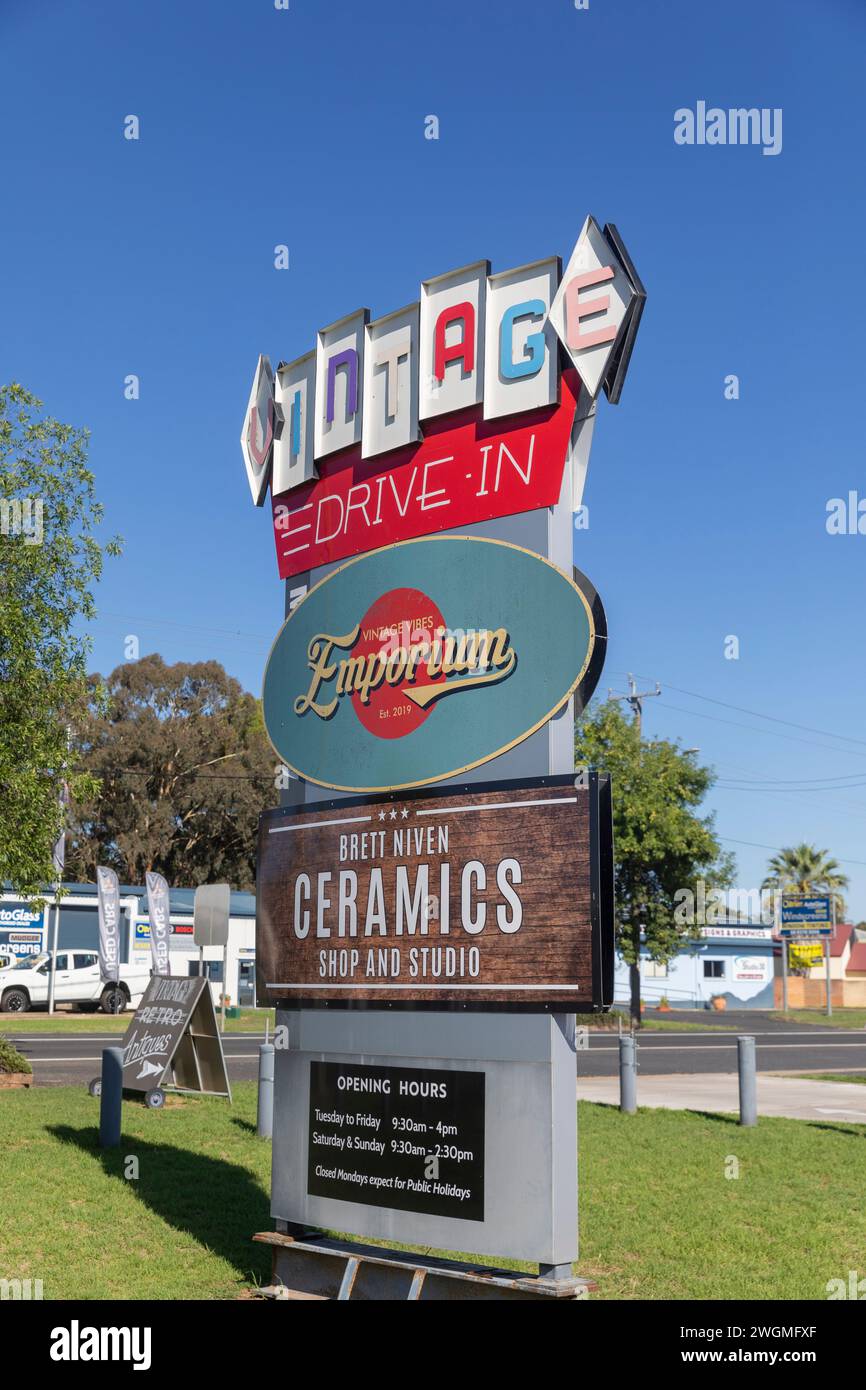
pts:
[24, 985]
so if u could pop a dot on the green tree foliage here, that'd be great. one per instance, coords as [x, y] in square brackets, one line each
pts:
[185, 769]
[661, 843]
[50, 560]
[805, 869]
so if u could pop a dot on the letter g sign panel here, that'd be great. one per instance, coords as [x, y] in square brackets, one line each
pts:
[521, 365]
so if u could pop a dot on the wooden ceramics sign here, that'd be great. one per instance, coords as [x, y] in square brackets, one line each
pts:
[477, 897]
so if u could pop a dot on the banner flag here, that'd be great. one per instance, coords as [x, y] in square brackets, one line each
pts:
[160, 925]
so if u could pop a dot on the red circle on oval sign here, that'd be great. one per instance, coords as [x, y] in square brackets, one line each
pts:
[398, 620]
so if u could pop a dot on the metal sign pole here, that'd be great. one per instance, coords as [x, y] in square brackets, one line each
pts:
[225, 988]
[828, 940]
[784, 954]
[53, 949]
[115, 1008]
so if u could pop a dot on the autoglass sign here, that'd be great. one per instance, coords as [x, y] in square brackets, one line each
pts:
[417, 662]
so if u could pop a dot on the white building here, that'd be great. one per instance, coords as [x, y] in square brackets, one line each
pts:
[25, 930]
[736, 962]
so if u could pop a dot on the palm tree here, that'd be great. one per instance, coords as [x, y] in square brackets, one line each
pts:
[806, 869]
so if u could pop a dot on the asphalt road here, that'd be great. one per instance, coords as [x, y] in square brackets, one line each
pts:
[70, 1060]
[59, 1059]
[792, 1049]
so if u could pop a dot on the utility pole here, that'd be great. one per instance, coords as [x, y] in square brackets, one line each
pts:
[635, 698]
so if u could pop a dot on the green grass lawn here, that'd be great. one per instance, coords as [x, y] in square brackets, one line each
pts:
[181, 1230]
[840, 1018]
[661, 1025]
[659, 1218]
[15, 1025]
[609, 1023]
[858, 1080]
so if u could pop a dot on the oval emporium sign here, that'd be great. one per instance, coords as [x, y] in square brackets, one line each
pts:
[414, 663]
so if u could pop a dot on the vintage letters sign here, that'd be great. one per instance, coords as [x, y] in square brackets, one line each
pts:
[417, 662]
[473, 338]
[475, 897]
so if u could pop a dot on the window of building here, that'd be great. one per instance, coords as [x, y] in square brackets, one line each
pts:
[714, 969]
[654, 970]
[212, 968]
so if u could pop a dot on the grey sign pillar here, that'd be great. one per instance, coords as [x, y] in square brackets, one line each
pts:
[528, 1060]
[528, 1178]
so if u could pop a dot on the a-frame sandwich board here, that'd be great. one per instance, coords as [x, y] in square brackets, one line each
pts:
[173, 1042]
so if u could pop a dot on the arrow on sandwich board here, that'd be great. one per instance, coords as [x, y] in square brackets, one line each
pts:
[151, 1069]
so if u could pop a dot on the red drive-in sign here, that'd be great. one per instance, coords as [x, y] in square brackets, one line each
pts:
[458, 474]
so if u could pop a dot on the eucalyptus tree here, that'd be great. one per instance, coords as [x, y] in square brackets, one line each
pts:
[50, 561]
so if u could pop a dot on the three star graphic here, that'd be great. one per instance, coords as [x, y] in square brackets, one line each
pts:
[392, 814]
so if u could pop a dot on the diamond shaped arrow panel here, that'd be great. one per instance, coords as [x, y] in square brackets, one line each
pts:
[257, 435]
[592, 304]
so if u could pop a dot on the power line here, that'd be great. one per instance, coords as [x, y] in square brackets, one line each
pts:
[772, 718]
[778, 849]
[189, 627]
[790, 738]
[858, 814]
[842, 782]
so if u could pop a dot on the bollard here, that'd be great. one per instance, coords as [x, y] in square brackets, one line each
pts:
[627, 1077]
[111, 1097]
[265, 1113]
[748, 1085]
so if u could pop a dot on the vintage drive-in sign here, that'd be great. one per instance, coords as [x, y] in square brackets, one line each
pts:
[415, 663]
[452, 410]
[482, 896]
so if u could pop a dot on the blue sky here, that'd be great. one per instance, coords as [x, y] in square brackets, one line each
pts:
[306, 127]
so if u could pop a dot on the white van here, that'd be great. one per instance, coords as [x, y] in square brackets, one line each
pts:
[24, 985]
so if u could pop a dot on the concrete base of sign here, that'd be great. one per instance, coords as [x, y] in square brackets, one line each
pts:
[315, 1266]
[500, 1112]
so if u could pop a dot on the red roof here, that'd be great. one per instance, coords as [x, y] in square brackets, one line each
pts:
[857, 960]
[839, 940]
